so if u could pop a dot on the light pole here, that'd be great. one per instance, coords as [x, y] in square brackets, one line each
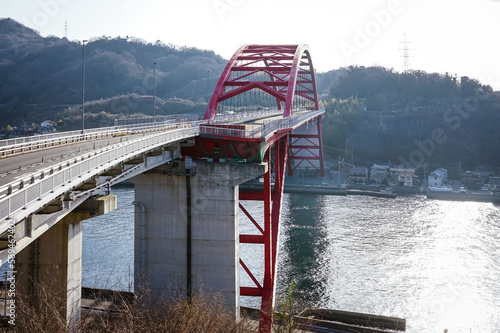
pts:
[83, 85]
[208, 85]
[154, 106]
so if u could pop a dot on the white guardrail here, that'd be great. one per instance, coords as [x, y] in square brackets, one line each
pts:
[26, 144]
[261, 131]
[20, 194]
[55, 180]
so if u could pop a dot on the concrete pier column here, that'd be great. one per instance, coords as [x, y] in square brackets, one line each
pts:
[51, 266]
[187, 237]
[54, 262]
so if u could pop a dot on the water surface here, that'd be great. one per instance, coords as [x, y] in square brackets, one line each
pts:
[435, 263]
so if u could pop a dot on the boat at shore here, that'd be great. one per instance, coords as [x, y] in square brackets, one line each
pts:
[387, 190]
[443, 188]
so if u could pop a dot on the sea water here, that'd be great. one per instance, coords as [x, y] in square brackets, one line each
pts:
[435, 263]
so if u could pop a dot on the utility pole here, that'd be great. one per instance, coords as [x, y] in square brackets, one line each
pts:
[154, 78]
[83, 85]
[208, 86]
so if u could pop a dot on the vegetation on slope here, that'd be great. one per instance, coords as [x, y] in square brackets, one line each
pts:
[376, 115]
[373, 114]
[41, 78]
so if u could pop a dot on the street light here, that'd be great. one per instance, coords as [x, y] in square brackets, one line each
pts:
[83, 85]
[154, 106]
[208, 85]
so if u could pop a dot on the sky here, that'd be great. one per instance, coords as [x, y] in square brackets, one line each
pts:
[455, 36]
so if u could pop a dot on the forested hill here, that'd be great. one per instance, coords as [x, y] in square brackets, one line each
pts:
[39, 73]
[373, 114]
[377, 115]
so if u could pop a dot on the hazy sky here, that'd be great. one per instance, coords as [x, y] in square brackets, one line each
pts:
[455, 36]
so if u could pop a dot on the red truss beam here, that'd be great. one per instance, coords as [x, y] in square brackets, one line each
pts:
[282, 72]
[268, 234]
[314, 149]
[285, 66]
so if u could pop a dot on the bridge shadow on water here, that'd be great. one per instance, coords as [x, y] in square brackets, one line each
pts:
[303, 256]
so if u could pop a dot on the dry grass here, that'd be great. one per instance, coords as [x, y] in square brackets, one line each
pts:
[146, 313]
[44, 311]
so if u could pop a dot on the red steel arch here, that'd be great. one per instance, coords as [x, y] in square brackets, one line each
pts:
[281, 76]
[285, 72]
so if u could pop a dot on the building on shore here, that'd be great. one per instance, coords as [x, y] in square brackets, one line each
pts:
[379, 174]
[358, 175]
[402, 176]
[472, 180]
[438, 178]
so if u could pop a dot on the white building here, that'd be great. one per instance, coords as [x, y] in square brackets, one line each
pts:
[438, 178]
[47, 126]
[402, 176]
[379, 173]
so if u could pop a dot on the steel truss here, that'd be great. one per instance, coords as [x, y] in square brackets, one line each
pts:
[307, 148]
[283, 71]
[283, 76]
[268, 234]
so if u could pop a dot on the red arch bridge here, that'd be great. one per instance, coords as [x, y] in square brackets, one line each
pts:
[263, 118]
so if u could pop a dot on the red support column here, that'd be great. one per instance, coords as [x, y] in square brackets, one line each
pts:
[289, 166]
[280, 161]
[271, 249]
[320, 148]
[268, 233]
[266, 307]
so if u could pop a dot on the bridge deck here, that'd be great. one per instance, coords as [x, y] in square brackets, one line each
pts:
[35, 173]
[248, 141]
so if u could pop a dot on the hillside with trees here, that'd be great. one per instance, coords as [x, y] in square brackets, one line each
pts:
[373, 114]
[41, 77]
[376, 115]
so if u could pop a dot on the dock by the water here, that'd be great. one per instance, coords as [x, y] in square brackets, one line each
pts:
[314, 189]
[459, 196]
[318, 189]
[372, 193]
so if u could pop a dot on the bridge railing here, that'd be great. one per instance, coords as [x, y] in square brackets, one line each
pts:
[18, 195]
[20, 145]
[246, 115]
[264, 130]
[173, 118]
[50, 140]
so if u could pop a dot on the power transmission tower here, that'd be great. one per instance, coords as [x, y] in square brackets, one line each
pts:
[66, 29]
[406, 54]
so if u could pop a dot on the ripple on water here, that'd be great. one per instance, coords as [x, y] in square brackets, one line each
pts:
[436, 263]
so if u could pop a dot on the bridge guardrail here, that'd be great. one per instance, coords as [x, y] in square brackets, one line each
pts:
[18, 195]
[289, 122]
[70, 137]
[19, 145]
[263, 130]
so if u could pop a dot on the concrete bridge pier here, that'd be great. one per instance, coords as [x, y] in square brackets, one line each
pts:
[187, 228]
[51, 265]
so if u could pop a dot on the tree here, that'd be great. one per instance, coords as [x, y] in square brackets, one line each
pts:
[341, 119]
